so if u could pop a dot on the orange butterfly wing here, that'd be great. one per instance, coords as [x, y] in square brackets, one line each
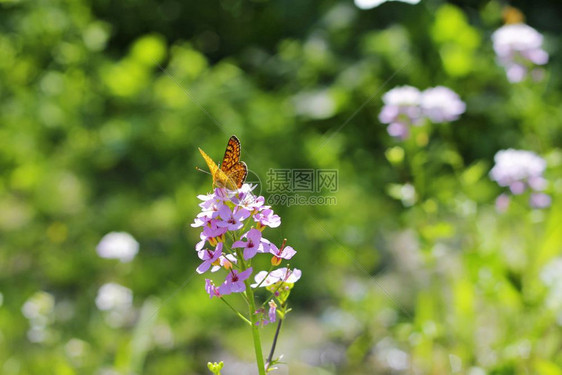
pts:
[237, 174]
[231, 154]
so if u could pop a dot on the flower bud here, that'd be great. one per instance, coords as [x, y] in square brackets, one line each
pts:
[227, 264]
[275, 261]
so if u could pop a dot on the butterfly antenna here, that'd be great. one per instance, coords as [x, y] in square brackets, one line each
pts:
[202, 170]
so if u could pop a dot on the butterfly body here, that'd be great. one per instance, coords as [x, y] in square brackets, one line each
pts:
[232, 172]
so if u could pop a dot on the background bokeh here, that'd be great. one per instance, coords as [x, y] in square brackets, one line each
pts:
[103, 105]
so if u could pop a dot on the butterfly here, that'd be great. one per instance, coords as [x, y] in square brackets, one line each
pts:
[232, 172]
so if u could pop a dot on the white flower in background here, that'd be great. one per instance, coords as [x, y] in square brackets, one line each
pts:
[39, 305]
[369, 4]
[117, 301]
[390, 356]
[441, 104]
[551, 276]
[118, 245]
[518, 48]
[76, 349]
[163, 336]
[112, 296]
[39, 310]
[315, 104]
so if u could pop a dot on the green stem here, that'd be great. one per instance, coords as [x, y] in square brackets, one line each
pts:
[255, 329]
[236, 311]
[270, 357]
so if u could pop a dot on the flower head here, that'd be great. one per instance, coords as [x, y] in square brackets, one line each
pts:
[112, 296]
[272, 311]
[406, 106]
[234, 282]
[284, 275]
[521, 170]
[267, 218]
[518, 48]
[211, 289]
[540, 200]
[118, 245]
[441, 104]
[285, 252]
[401, 110]
[209, 257]
[211, 233]
[232, 219]
[517, 169]
[252, 245]
[271, 316]
[245, 199]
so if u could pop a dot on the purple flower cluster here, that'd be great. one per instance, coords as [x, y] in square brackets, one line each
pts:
[407, 106]
[520, 170]
[233, 222]
[519, 50]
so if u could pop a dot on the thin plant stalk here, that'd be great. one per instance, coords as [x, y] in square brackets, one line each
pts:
[255, 329]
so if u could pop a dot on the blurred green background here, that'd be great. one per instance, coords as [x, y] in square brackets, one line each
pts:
[103, 105]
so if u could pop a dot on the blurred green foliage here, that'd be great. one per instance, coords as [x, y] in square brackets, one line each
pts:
[103, 105]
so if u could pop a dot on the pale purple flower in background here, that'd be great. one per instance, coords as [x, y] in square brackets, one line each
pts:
[112, 296]
[502, 202]
[441, 104]
[234, 282]
[209, 257]
[118, 245]
[401, 110]
[281, 274]
[398, 130]
[406, 106]
[518, 48]
[540, 200]
[520, 170]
